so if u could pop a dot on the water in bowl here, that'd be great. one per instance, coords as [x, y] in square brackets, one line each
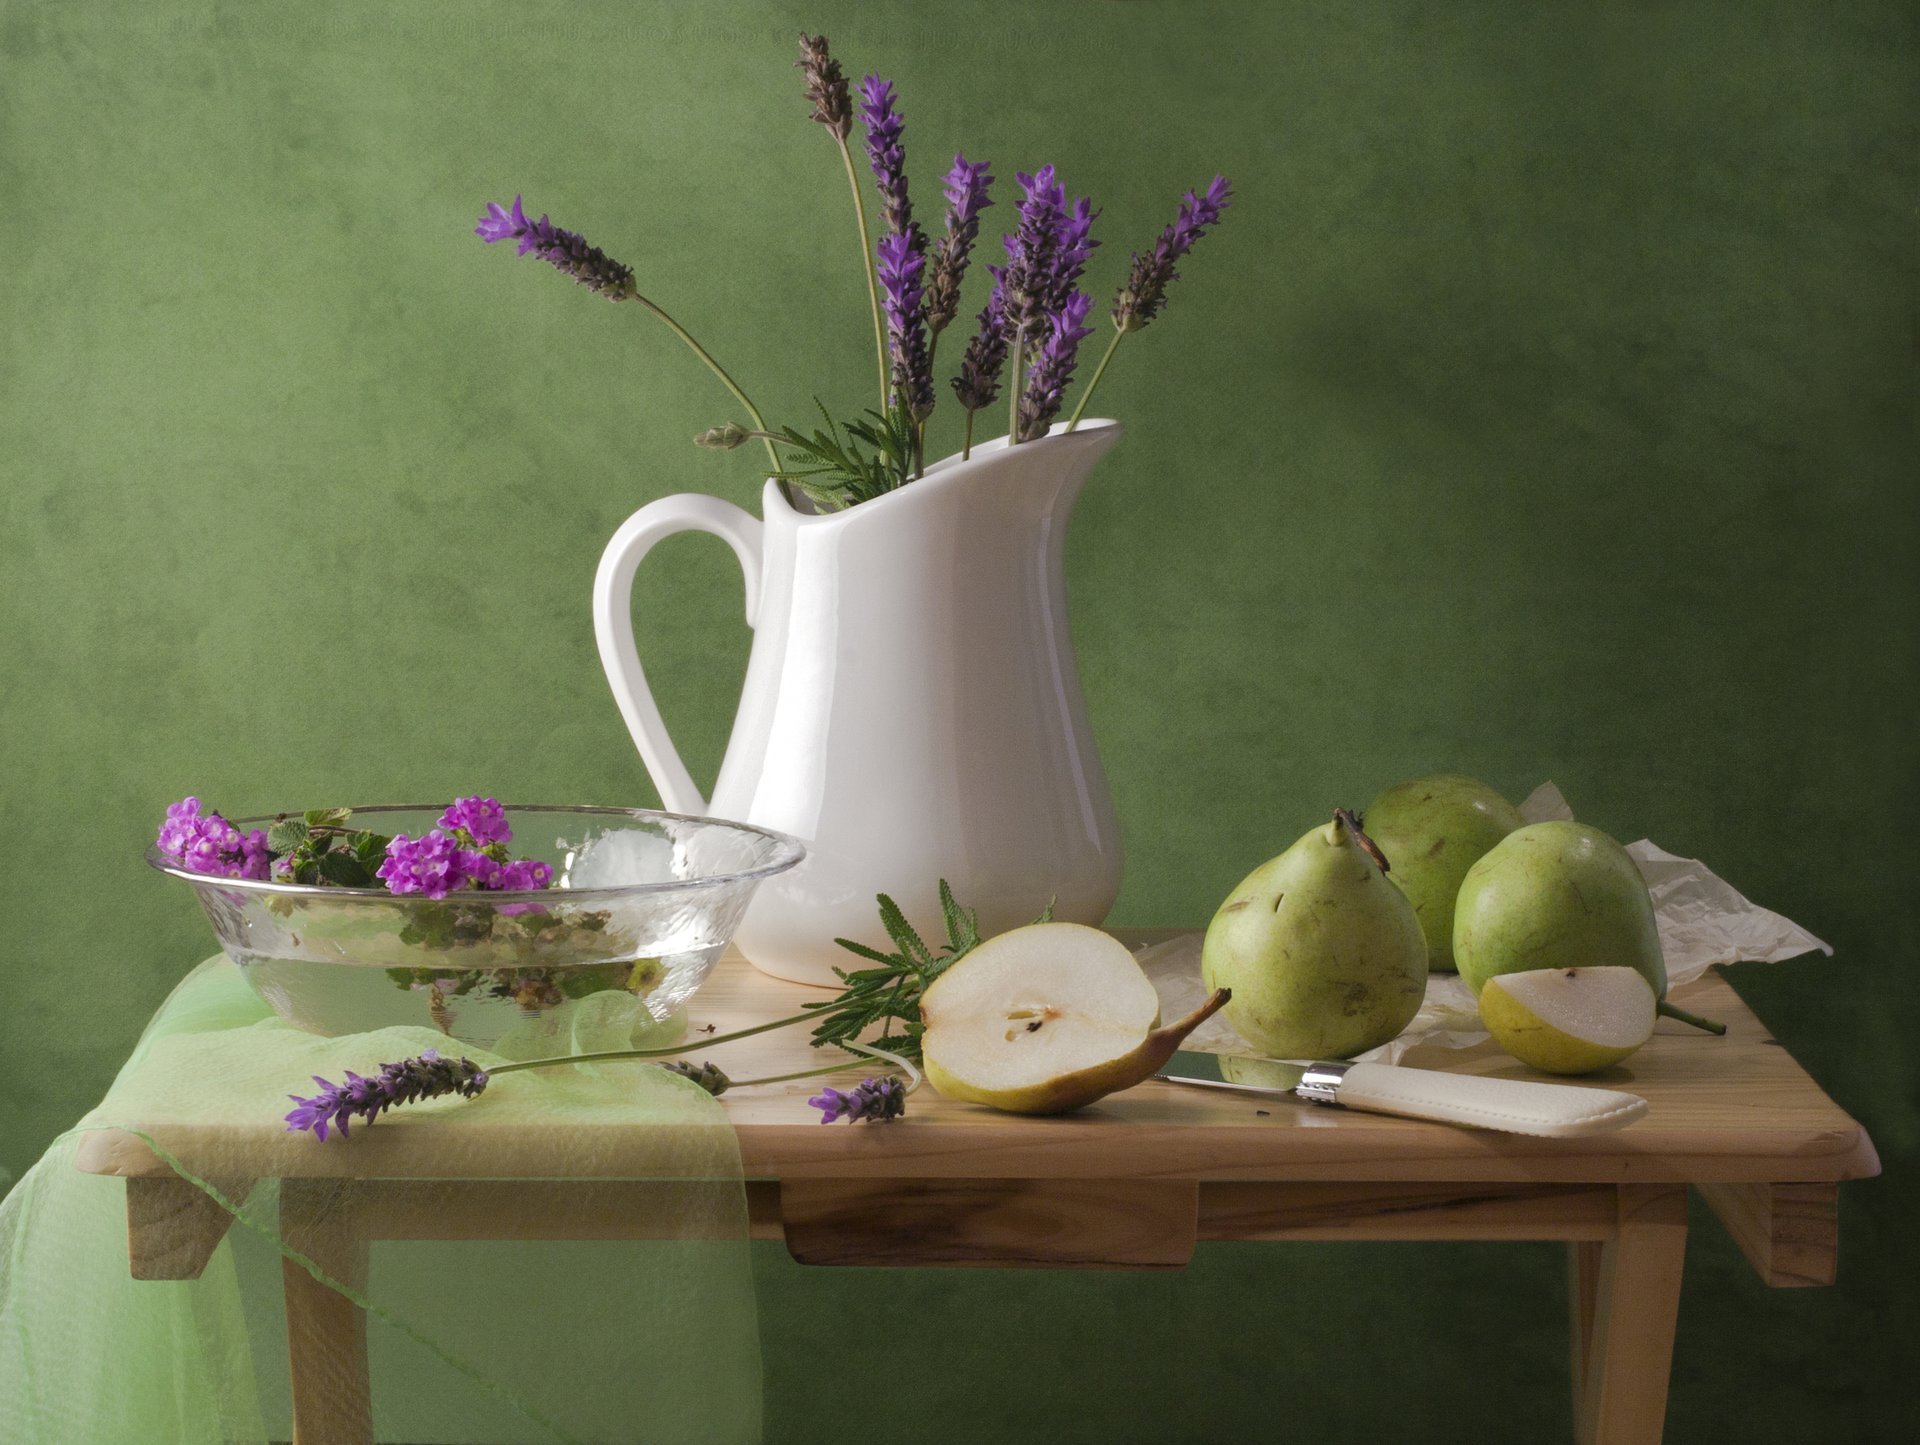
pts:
[572, 972]
[517, 1012]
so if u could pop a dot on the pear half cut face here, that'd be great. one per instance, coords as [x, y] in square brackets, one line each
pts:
[1044, 1019]
[1569, 1020]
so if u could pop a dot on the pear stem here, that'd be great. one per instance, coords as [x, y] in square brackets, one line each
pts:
[1347, 817]
[1174, 1034]
[1674, 1011]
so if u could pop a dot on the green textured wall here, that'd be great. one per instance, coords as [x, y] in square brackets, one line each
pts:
[1544, 409]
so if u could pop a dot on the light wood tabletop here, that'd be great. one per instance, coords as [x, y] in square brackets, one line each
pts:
[1133, 1182]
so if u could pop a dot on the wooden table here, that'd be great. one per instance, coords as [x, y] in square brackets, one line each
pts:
[1133, 1183]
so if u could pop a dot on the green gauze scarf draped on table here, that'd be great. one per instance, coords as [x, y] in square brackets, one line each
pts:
[573, 1338]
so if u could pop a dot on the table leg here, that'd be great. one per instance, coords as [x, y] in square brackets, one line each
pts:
[1625, 1296]
[326, 1331]
[173, 1226]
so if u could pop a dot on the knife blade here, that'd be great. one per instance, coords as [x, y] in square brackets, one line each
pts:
[1514, 1106]
[1243, 1074]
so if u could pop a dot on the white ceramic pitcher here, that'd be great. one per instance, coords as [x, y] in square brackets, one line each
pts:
[911, 709]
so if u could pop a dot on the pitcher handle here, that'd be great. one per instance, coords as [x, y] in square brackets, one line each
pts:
[613, 623]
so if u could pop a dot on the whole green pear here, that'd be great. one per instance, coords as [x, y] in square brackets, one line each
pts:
[1559, 895]
[1324, 957]
[1432, 830]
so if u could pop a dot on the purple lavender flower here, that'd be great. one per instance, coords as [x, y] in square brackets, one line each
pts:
[433, 864]
[1073, 245]
[901, 251]
[426, 1077]
[1053, 368]
[500, 224]
[1026, 280]
[484, 819]
[966, 193]
[1145, 292]
[826, 86]
[877, 1101]
[566, 251]
[884, 152]
[901, 266]
[208, 843]
[979, 380]
[1046, 254]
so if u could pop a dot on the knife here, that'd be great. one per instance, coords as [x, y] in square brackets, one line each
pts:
[1514, 1106]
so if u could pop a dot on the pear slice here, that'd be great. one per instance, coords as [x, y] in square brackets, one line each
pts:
[1569, 1020]
[1047, 1018]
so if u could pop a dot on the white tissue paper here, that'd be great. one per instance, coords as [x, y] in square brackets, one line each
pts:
[1702, 921]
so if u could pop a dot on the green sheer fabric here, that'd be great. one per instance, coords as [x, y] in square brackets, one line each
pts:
[615, 1303]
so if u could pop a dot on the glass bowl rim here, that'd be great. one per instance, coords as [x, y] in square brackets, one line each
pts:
[792, 852]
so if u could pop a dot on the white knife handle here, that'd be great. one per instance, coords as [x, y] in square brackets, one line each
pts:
[1554, 1111]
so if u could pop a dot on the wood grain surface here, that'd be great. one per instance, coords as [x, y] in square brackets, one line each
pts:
[1733, 1109]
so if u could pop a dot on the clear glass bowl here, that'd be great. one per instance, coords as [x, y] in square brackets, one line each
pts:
[641, 906]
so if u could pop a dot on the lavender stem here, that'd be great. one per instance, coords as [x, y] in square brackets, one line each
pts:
[836, 1068]
[759, 422]
[1016, 383]
[1093, 381]
[685, 1048]
[966, 448]
[866, 261]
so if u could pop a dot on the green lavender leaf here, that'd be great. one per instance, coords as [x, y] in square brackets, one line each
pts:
[963, 925]
[888, 996]
[834, 471]
[901, 932]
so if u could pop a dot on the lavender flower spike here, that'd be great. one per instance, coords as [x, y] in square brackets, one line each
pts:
[833, 109]
[567, 251]
[966, 194]
[1073, 245]
[884, 153]
[426, 1077]
[595, 269]
[1045, 257]
[1053, 368]
[901, 266]
[826, 86]
[1145, 293]
[979, 380]
[877, 1101]
[708, 1076]
[1025, 282]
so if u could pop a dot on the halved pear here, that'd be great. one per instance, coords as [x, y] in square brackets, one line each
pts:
[1047, 1018]
[1569, 1020]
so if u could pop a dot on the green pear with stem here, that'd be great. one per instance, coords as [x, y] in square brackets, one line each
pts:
[1323, 956]
[1046, 1019]
[1432, 830]
[1560, 896]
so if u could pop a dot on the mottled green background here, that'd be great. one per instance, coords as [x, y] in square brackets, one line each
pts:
[1545, 409]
